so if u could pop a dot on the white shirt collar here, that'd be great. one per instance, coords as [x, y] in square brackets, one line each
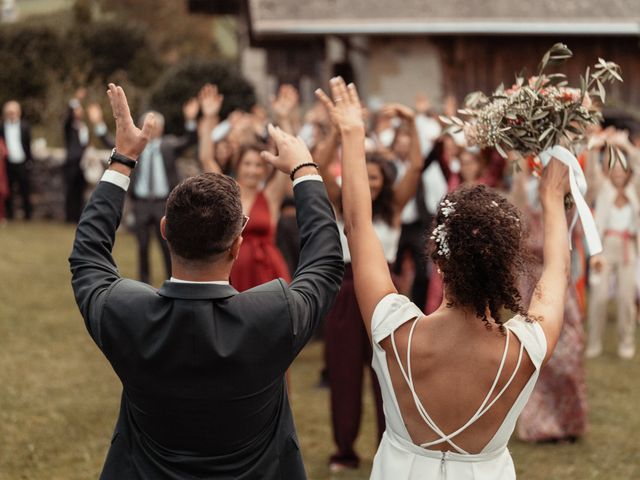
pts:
[213, 282]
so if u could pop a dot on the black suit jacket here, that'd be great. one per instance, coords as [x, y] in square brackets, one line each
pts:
[171, 147]
[25, 137]
[202, 366]
[75, 148]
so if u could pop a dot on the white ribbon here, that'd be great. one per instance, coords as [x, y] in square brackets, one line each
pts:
[578, 186]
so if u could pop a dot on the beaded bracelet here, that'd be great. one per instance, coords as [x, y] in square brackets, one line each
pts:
[302, 165]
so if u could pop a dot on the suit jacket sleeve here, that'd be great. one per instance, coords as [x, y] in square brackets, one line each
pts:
[93, 270]
[318, 277]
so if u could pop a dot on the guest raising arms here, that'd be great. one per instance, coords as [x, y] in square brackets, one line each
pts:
[347, 348]
[441, 423]
[557, 408]
[259, 260]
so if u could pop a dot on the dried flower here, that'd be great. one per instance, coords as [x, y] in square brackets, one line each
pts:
[536, 113]
[439, 234]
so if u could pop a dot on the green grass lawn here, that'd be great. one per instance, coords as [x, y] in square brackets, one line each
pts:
[59, 398]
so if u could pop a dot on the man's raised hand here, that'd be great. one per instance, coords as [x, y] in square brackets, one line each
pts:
[130, 140]
[292, 151]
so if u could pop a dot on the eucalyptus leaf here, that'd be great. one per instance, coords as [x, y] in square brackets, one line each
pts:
[540, 115]
[500, 150]
[545, 133]
[601, 91]
[612, 157]
[616, 75]
[623, 159]
[543, 63]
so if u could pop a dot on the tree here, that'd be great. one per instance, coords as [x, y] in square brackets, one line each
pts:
[184, 81]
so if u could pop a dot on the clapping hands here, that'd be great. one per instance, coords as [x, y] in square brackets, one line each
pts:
[398, 110]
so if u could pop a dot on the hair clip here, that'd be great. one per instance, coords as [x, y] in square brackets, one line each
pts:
[439, 235]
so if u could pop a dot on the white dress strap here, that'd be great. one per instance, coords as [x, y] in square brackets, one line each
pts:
[391, 312]
[484, 407]
[531, 336]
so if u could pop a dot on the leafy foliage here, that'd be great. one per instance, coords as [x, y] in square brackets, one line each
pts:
[29, 56]
[43, 64]
[184, 81]
[112, 46]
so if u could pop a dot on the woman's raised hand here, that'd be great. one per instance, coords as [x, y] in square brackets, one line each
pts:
[399, 110]
[210, 101]
[285, 104]
[554, 184]
[94, 112]
[345, 110]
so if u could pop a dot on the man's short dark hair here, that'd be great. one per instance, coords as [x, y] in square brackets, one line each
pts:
[204, 216]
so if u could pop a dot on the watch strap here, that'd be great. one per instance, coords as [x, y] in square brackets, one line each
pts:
[119, 158]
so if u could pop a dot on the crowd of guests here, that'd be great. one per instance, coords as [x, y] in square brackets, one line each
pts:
[412, 162]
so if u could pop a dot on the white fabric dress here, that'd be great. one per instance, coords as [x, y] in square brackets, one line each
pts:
[398, 457]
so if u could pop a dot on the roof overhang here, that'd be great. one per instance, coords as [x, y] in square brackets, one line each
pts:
[434, 17]
[269, 27]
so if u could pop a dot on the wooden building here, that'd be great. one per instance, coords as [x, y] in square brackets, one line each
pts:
[394, 49]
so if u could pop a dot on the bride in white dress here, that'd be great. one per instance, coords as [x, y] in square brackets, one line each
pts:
[454, 382]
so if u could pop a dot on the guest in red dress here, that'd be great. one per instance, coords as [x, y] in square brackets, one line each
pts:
[259, 260]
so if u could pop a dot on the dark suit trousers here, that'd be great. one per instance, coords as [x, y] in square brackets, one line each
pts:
[18, 173]
[75, 186]
[348, 351]
[413, 240]
[148, 214]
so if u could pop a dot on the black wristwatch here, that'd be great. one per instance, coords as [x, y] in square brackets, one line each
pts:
[119, 158]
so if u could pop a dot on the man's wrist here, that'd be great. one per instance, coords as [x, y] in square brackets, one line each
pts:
[120, 168]
[304, 171]
[128, 153]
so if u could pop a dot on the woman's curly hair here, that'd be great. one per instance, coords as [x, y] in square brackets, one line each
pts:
[479, 246]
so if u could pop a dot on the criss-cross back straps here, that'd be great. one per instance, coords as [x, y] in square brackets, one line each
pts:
[481, 410]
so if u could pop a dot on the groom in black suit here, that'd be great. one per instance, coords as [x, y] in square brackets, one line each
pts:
[202, 366]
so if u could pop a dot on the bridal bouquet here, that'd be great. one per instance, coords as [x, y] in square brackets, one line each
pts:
[538, 113]
[543, 118]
